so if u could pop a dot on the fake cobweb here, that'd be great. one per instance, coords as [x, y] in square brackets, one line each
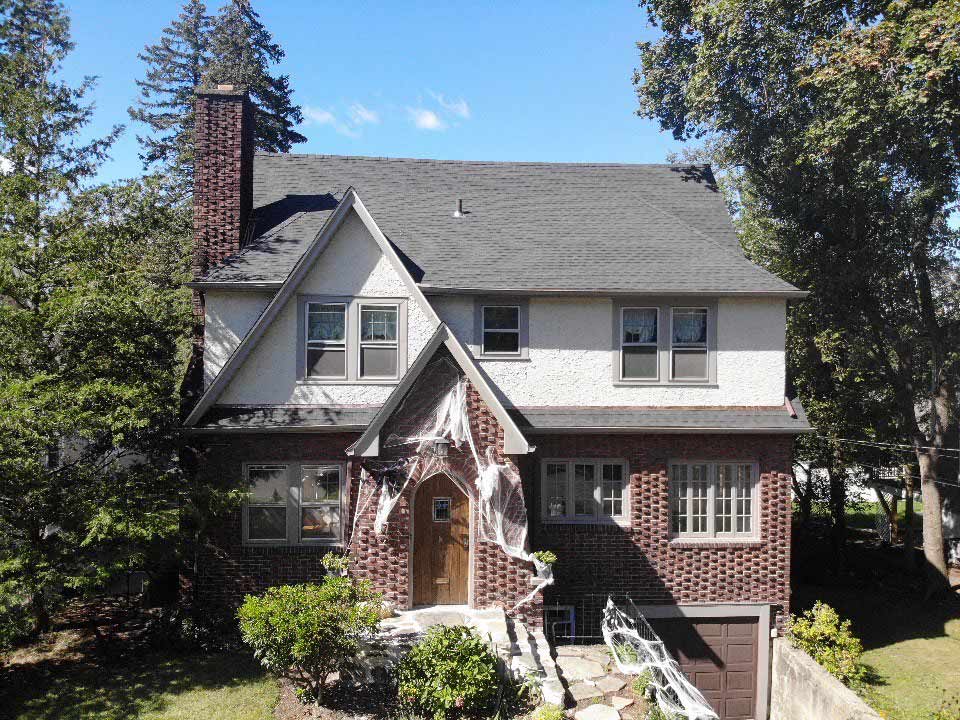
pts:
[636, 649]
[432, 421]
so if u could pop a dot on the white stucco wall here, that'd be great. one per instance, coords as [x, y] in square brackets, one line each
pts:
[229, 317]
[351, 265]
[570, 359]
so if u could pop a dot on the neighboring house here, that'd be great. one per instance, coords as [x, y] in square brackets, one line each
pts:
[622, 357]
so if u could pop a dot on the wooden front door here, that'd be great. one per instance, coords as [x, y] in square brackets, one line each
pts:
[441, 543]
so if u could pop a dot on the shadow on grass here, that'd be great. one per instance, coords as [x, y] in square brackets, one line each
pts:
[127, 687]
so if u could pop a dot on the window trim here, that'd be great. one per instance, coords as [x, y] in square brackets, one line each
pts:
[512, 331]
[361, 343]
[664, 306]
[711, 536]
[705, 345]
[294, 506]
[523, 306]
[352, 340]
[623, 344]
[597, 517]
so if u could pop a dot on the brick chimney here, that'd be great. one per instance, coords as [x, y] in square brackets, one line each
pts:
[223, 174]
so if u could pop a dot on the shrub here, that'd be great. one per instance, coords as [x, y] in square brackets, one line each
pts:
[827, 639]
[335, 563]
[549, 712]
[657, 714]
[547, 557]
[626, 653]
[307, 632]
[642, 682]
[450, 673]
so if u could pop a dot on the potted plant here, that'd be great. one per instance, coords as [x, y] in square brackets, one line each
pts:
[546, 560]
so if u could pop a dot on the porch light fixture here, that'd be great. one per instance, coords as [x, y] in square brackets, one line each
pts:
[441, 447]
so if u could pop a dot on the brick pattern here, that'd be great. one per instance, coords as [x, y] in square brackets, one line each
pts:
[641, 560]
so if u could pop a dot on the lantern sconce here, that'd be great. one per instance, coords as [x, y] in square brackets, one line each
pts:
[441, 447]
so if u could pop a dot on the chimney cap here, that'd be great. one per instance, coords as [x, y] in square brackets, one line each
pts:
[223, 89]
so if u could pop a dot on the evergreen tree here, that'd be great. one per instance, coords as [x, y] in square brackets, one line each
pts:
[92, 321]
[242, 51]
[175, 67]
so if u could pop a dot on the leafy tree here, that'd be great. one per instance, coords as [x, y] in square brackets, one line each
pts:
[242, 51]
[839, 121]
[175, 67]
[91, 323]
[308, 632]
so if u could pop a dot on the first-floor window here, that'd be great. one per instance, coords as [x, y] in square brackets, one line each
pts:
[290, 503]
[713, 499]
[584, 490]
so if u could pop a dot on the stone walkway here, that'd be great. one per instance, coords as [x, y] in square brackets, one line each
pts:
[596, 686]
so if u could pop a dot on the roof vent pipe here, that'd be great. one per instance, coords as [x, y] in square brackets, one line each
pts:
[459, 211]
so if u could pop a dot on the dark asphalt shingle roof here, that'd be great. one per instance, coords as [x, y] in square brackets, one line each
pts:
[227, 417]
[528, 226]
[742, 419]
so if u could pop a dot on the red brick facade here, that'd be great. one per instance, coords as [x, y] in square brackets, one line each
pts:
[642, 560]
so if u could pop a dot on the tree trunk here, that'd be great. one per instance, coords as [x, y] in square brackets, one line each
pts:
[935, 566]
[838, 511]
[40, 613]
[909, 542]
[804, 495]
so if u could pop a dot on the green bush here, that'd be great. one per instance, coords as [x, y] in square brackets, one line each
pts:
[336, 563]
[450, 673]
[827, 639]
[642, 682]
[657, 714]
[549, 712]
[307, 632]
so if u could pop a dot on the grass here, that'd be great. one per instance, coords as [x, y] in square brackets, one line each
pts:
[911, 646]
[863, 515]
[154, 686]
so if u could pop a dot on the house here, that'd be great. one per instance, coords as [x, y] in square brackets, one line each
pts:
[383, 336]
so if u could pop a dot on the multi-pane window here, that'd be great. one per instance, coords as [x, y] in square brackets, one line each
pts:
[688, 344]
[584, 490]
[379, 348]
[713, 499]
[638, 344]
[501, 329]
[326, 340]
[290, 503]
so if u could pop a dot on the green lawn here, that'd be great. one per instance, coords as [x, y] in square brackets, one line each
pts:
[150, 686]
[864, 515]
[912, 647]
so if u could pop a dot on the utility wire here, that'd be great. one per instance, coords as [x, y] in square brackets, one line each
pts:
[889, 446]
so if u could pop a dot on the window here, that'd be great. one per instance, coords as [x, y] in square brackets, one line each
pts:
[441, 509]
[326, 340]
[584, 490]
[688, 344]
[713, 500]
[291, 503]
[267, 507]
[638, 343]
[501, 330]
[379, 348]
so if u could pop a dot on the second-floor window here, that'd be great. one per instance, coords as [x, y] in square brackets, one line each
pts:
[379, 347]
[688, 344]
[327, 340]
[501, 329]
[639, 357]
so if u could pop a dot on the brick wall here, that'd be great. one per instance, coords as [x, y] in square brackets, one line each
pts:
[641, 560]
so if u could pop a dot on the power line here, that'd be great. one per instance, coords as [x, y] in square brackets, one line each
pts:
[889, 446]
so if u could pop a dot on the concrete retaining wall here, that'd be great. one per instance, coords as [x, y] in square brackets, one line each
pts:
[802, 690]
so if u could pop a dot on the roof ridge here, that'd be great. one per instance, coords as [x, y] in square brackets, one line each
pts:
[453, 161]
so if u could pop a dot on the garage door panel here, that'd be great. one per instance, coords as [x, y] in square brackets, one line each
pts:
[719, 656]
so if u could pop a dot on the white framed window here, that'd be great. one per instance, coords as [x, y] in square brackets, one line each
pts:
[585, 491]
[379, 355]
[290, 503]
[326, 340]
[500, 330]
[714, 500]
[689, 357]
[639, 352]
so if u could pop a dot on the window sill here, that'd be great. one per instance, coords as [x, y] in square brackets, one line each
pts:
[274, 545]
[714, 543]
[504, 358]
[365, 381]
[666, 383]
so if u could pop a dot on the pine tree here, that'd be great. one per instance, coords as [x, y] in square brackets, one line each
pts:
[175, 67]
[242, 51]
[92, 320]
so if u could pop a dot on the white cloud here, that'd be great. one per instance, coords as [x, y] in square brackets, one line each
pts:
[319, 116]
[362, 115]
[426, 119]
[458, 107]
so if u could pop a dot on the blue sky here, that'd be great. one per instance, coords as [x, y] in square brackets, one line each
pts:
[483, 81]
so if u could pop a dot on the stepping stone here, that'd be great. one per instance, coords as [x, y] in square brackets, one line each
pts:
[582, 691]
[621, 702]
[577, 668]
[610, 684]
[569, 651]
[597, 712]
[599, 657]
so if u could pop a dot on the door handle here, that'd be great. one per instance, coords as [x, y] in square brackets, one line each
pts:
[465, 541]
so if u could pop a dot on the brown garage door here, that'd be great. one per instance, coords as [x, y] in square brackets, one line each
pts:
[720, 658]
